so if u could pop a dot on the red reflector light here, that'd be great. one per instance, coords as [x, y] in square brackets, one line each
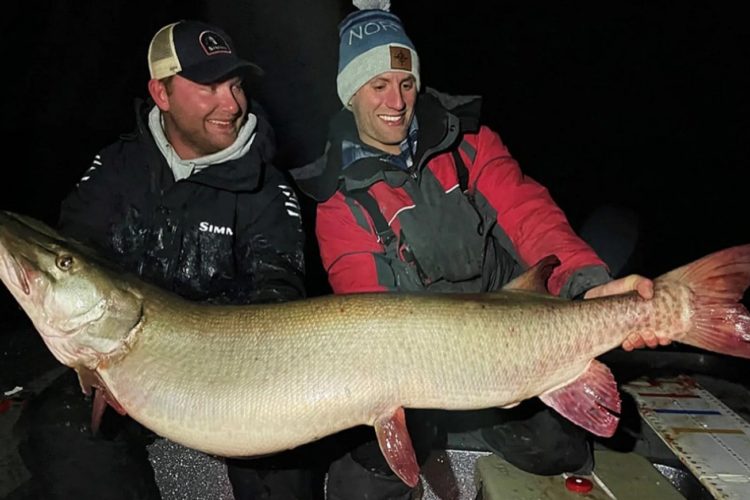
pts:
[578, 484]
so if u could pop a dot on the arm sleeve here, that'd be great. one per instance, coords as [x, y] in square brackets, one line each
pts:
[273, 245]
[349, 249]
[535, 224]
[87, 211]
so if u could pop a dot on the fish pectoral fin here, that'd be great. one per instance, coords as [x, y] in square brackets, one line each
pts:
[97, 411]
[87, 379]
[591, 400]
[91, 381]
[395, 444]
[102, 398]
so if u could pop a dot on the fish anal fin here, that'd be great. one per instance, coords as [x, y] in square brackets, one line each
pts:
[591, 400]
[395, 444]
[535, 278]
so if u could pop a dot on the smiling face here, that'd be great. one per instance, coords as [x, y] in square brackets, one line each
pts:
[383, 109]
[200, 119]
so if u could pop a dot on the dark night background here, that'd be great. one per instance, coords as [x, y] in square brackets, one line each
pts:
[641, 104]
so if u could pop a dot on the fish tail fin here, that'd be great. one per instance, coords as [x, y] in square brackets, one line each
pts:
[720, 322]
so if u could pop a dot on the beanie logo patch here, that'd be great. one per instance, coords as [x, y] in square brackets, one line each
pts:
[400, 58]
[213, 43]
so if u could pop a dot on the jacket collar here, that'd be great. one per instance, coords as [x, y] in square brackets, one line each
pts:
[238, 173]
[442, 120]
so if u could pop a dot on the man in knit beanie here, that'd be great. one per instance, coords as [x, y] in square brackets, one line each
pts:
[372, 42]
[415, 194]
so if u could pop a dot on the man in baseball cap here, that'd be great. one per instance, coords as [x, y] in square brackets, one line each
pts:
[183, 200]
[189, 124]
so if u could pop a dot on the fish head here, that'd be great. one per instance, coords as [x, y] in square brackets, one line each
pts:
[83, 310]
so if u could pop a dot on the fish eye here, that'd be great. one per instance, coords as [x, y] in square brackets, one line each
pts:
[65, 262]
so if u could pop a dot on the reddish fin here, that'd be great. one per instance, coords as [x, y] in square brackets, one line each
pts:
[720, 322]
[535, 278]
[97, 411]
[395, 443]
[102, 398]
[591, 401]
[91, 381]
[87, 379]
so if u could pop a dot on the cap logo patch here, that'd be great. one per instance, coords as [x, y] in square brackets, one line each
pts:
[213, 43]
[400, 58]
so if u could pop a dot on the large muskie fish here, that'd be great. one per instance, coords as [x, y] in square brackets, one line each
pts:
[257, 379]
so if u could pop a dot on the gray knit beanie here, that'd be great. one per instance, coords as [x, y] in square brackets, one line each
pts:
[373, 41]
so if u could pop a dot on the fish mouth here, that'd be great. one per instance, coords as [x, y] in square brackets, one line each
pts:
[16, 272]
[19, 273]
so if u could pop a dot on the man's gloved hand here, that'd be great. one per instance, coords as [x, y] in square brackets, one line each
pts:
[645, 288]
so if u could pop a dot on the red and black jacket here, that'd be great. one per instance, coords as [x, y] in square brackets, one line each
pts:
[440, 238]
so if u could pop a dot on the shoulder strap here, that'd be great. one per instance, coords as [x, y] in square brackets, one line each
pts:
[461, 171]
[383, 230]
[364, 198]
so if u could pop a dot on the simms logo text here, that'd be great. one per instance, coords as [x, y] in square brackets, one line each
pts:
[207, 227]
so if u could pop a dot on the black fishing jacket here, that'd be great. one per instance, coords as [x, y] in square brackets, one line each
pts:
[230, 233]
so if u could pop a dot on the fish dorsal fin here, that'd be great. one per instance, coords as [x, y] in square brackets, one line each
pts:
[395, 444]
[535, 278]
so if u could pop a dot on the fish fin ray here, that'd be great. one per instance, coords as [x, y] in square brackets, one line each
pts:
[90, 381]
[97, 411]
[720, 322]
[87, 379]
[535, 278]
[395, 444]
[591, 401]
